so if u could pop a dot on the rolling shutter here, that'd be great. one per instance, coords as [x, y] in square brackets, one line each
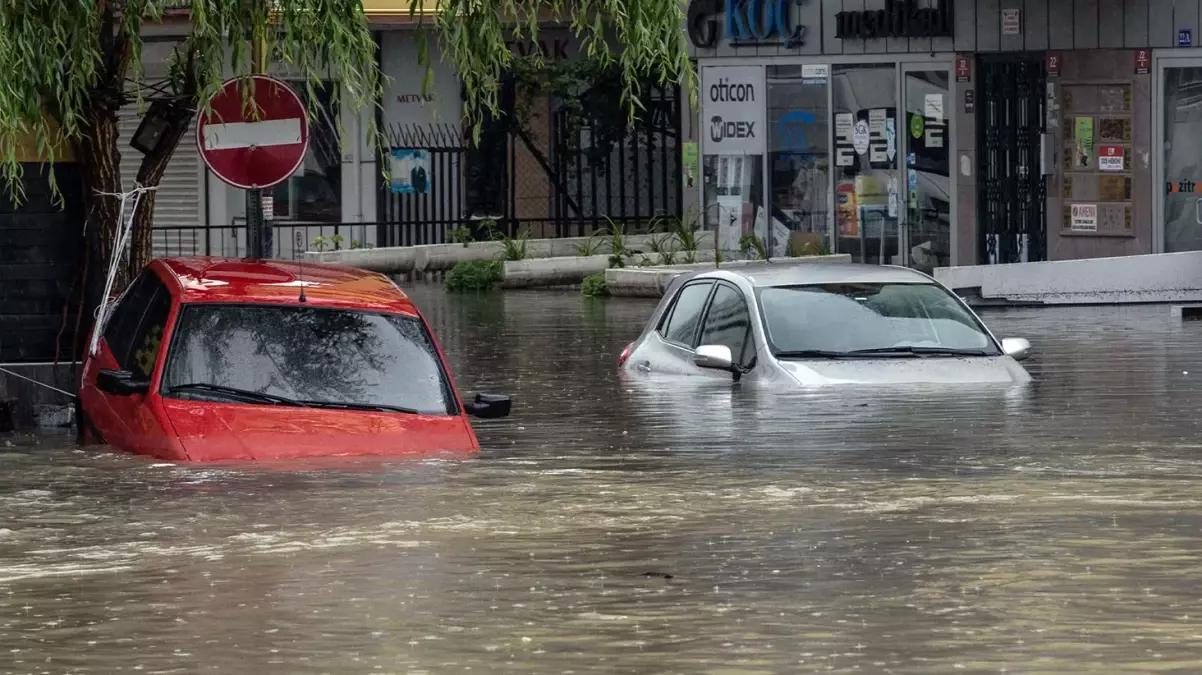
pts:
[179, 202]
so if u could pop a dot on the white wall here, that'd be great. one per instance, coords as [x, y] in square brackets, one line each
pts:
[404, 102]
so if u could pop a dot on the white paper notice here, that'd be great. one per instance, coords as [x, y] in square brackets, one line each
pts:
[876, 122]
[933, 108]
[843, 123]
[1110, 163]
[1084, 218]
[843, 138]
[892, 206]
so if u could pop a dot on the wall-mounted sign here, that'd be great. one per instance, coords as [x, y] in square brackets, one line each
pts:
[1185, 37]
[1052, 64]
[733, 108]
[899, 18]
[1084, 218]
[747, 21]
[970, 103]
[963, 69]
[1110, 158]
[1012, 21]
[1143, 61]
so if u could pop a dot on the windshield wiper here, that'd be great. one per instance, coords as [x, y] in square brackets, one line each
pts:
[359, 406]
[922, 351]
[234, 392]
[814, 354]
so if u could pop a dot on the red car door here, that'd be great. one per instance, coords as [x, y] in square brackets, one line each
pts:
[132, 343]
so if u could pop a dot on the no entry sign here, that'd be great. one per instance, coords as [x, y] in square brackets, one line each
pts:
[258, 145]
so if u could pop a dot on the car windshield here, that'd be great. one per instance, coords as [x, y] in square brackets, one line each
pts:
[848, 318]
[306, 356]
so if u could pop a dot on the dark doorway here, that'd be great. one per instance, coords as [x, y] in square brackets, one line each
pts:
[1011, 197]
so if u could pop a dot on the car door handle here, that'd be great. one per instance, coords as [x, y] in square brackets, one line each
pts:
[644, 366]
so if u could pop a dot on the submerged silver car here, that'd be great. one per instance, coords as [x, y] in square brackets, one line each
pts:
[820, 324]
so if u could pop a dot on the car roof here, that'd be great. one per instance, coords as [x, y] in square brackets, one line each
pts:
[280, 281]
[764, 275]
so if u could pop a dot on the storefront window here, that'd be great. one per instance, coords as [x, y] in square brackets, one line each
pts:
[928, 183]
[799, 159]
[867, 194]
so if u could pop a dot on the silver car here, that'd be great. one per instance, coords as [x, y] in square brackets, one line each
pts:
[819, 324]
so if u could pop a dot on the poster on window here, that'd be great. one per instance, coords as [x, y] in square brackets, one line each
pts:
[410, 171]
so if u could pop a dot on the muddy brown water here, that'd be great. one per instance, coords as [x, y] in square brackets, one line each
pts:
[625, 527]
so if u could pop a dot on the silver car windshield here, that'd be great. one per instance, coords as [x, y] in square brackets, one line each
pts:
[858, 318]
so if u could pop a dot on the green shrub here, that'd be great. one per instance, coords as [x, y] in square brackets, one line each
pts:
[473, 275]
[594, 286]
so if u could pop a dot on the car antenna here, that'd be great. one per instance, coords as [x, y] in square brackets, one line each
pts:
[300, 247]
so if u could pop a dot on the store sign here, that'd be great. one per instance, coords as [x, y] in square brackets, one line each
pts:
[899, 18]
[733, 109]
[1110, 158]
[1084, 218]
[746, 21]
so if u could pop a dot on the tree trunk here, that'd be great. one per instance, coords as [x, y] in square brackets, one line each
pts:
[100, 162]
[150, 173]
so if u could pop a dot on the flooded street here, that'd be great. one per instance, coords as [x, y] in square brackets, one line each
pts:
[628, 527]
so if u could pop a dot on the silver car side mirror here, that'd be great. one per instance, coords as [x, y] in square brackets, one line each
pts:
[717, 357]
[1016, 348]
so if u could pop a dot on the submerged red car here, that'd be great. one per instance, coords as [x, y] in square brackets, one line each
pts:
[208, 359]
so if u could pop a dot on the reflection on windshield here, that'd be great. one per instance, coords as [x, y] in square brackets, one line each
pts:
[851, 317]
[307, 354]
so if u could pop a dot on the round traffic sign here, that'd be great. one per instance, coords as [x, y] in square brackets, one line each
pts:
[255, 145]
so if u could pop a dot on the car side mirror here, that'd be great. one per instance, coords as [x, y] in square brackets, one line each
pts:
[121, 383]
[1016, 348]
[489, 406]
[715, 357]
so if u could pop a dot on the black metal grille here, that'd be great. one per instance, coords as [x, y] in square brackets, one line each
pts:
[627, 173]
[1011, 194]
[570, 182]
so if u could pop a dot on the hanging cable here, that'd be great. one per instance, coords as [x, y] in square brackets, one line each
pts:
[125, 228]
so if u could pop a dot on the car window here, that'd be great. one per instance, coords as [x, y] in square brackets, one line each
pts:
[126, 316]
[728, 323]
[307, 354]
[148, 337]
[855, 316]
[681, 325]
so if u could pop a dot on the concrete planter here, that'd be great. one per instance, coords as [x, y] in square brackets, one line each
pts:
[651, 282]
[441, 257]
[545, 272]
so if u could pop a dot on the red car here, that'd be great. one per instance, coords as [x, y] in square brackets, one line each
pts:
[206, 359]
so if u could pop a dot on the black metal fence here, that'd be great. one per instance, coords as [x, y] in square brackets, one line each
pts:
[567, 179]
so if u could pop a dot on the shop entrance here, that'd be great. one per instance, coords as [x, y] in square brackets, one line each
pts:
[1011, 198]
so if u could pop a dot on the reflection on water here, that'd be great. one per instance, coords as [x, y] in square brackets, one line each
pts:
[625, 526]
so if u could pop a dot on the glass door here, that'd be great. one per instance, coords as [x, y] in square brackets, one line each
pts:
[867, 191]
[1181, 162]
[927, 188]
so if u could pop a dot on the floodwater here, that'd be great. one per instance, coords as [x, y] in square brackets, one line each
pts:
[615, 527]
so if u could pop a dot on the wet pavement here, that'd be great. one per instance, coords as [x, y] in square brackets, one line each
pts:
[634, 527]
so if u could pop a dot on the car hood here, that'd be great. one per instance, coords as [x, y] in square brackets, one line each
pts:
[211, 431]
[919, 370]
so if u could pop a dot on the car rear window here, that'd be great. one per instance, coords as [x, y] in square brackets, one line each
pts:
[318, 355]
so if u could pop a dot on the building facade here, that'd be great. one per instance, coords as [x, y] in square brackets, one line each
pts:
[952, 132]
